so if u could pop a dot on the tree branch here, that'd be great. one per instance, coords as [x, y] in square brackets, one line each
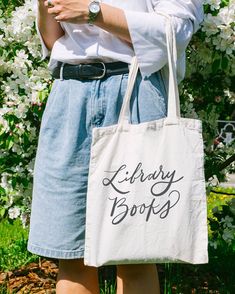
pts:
[227, 162]
[222, 166]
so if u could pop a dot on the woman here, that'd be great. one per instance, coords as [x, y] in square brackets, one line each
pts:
[91, 47]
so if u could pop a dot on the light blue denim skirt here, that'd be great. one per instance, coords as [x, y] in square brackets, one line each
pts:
[57, 222]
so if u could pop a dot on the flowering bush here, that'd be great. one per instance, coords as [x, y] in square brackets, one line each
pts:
[207, 92]
[221, 219]
[24, 86]
[209, 88]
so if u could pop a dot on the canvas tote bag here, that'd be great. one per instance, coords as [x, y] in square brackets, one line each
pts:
[146, 200]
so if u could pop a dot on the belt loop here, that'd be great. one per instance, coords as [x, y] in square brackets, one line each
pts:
[61, 71]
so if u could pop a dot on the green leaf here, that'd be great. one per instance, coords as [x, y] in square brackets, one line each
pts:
[216, 65]
[2, 191]
[224, 3]
[13, 182]
[9, 143]
[2, 211]
[42, 95]
[224, 62]
[214, 225]
[2, 131]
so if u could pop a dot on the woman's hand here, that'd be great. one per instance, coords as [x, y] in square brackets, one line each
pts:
[73, 11]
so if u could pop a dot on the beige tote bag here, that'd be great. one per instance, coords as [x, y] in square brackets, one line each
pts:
[146, 198]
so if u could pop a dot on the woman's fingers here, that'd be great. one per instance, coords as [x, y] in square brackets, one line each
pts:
[74, 11]
[55, 10]
[60, 17]
[49, 3]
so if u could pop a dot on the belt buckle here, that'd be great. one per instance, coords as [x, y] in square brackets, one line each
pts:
[103, 74]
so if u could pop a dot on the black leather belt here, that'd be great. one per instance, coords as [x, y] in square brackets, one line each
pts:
[89, 71]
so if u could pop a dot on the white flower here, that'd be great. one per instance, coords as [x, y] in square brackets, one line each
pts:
[14, 212]
[24, 219]
[210, 25]
[2, 24]
[19, 169]
[21, 110]
[4, 124]
[17, 148]
[219, 29]
[220, 145]
[2, 43]
[230, 95]
[21, 25]
[226, 32]
[191, 98]
[30, 166]
[227, 14]
[4, 181]
[214, 4]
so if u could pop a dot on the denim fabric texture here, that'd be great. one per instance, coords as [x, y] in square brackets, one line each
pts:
[73, 109]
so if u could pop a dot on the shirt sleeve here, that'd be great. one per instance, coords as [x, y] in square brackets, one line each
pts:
[147, 31]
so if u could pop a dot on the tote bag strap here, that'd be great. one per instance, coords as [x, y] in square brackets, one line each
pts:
[173, 111]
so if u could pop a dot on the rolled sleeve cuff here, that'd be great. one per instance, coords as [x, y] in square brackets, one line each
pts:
[147, 31]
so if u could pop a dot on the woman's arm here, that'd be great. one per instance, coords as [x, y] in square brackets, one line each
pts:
[49, 28]
[113, 20]
[110, 18]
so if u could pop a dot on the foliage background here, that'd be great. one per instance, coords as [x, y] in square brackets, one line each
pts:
[208, 93]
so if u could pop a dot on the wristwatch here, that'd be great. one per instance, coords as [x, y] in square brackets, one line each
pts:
[94, 9]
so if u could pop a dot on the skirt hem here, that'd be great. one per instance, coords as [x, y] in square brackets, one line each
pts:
[53, 253]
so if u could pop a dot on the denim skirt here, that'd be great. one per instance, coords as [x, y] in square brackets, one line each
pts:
[73, 109]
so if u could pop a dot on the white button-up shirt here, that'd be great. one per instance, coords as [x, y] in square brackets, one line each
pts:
[84, 43]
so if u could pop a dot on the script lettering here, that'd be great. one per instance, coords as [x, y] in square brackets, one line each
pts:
[161, 187]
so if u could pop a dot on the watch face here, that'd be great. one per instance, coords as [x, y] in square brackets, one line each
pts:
[94, 7]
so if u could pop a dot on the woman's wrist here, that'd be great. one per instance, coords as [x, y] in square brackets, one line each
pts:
[113, 20]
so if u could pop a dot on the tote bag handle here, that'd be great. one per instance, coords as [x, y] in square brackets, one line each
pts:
[173, 111]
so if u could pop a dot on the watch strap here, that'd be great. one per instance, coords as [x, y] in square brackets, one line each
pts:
[92, 16]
